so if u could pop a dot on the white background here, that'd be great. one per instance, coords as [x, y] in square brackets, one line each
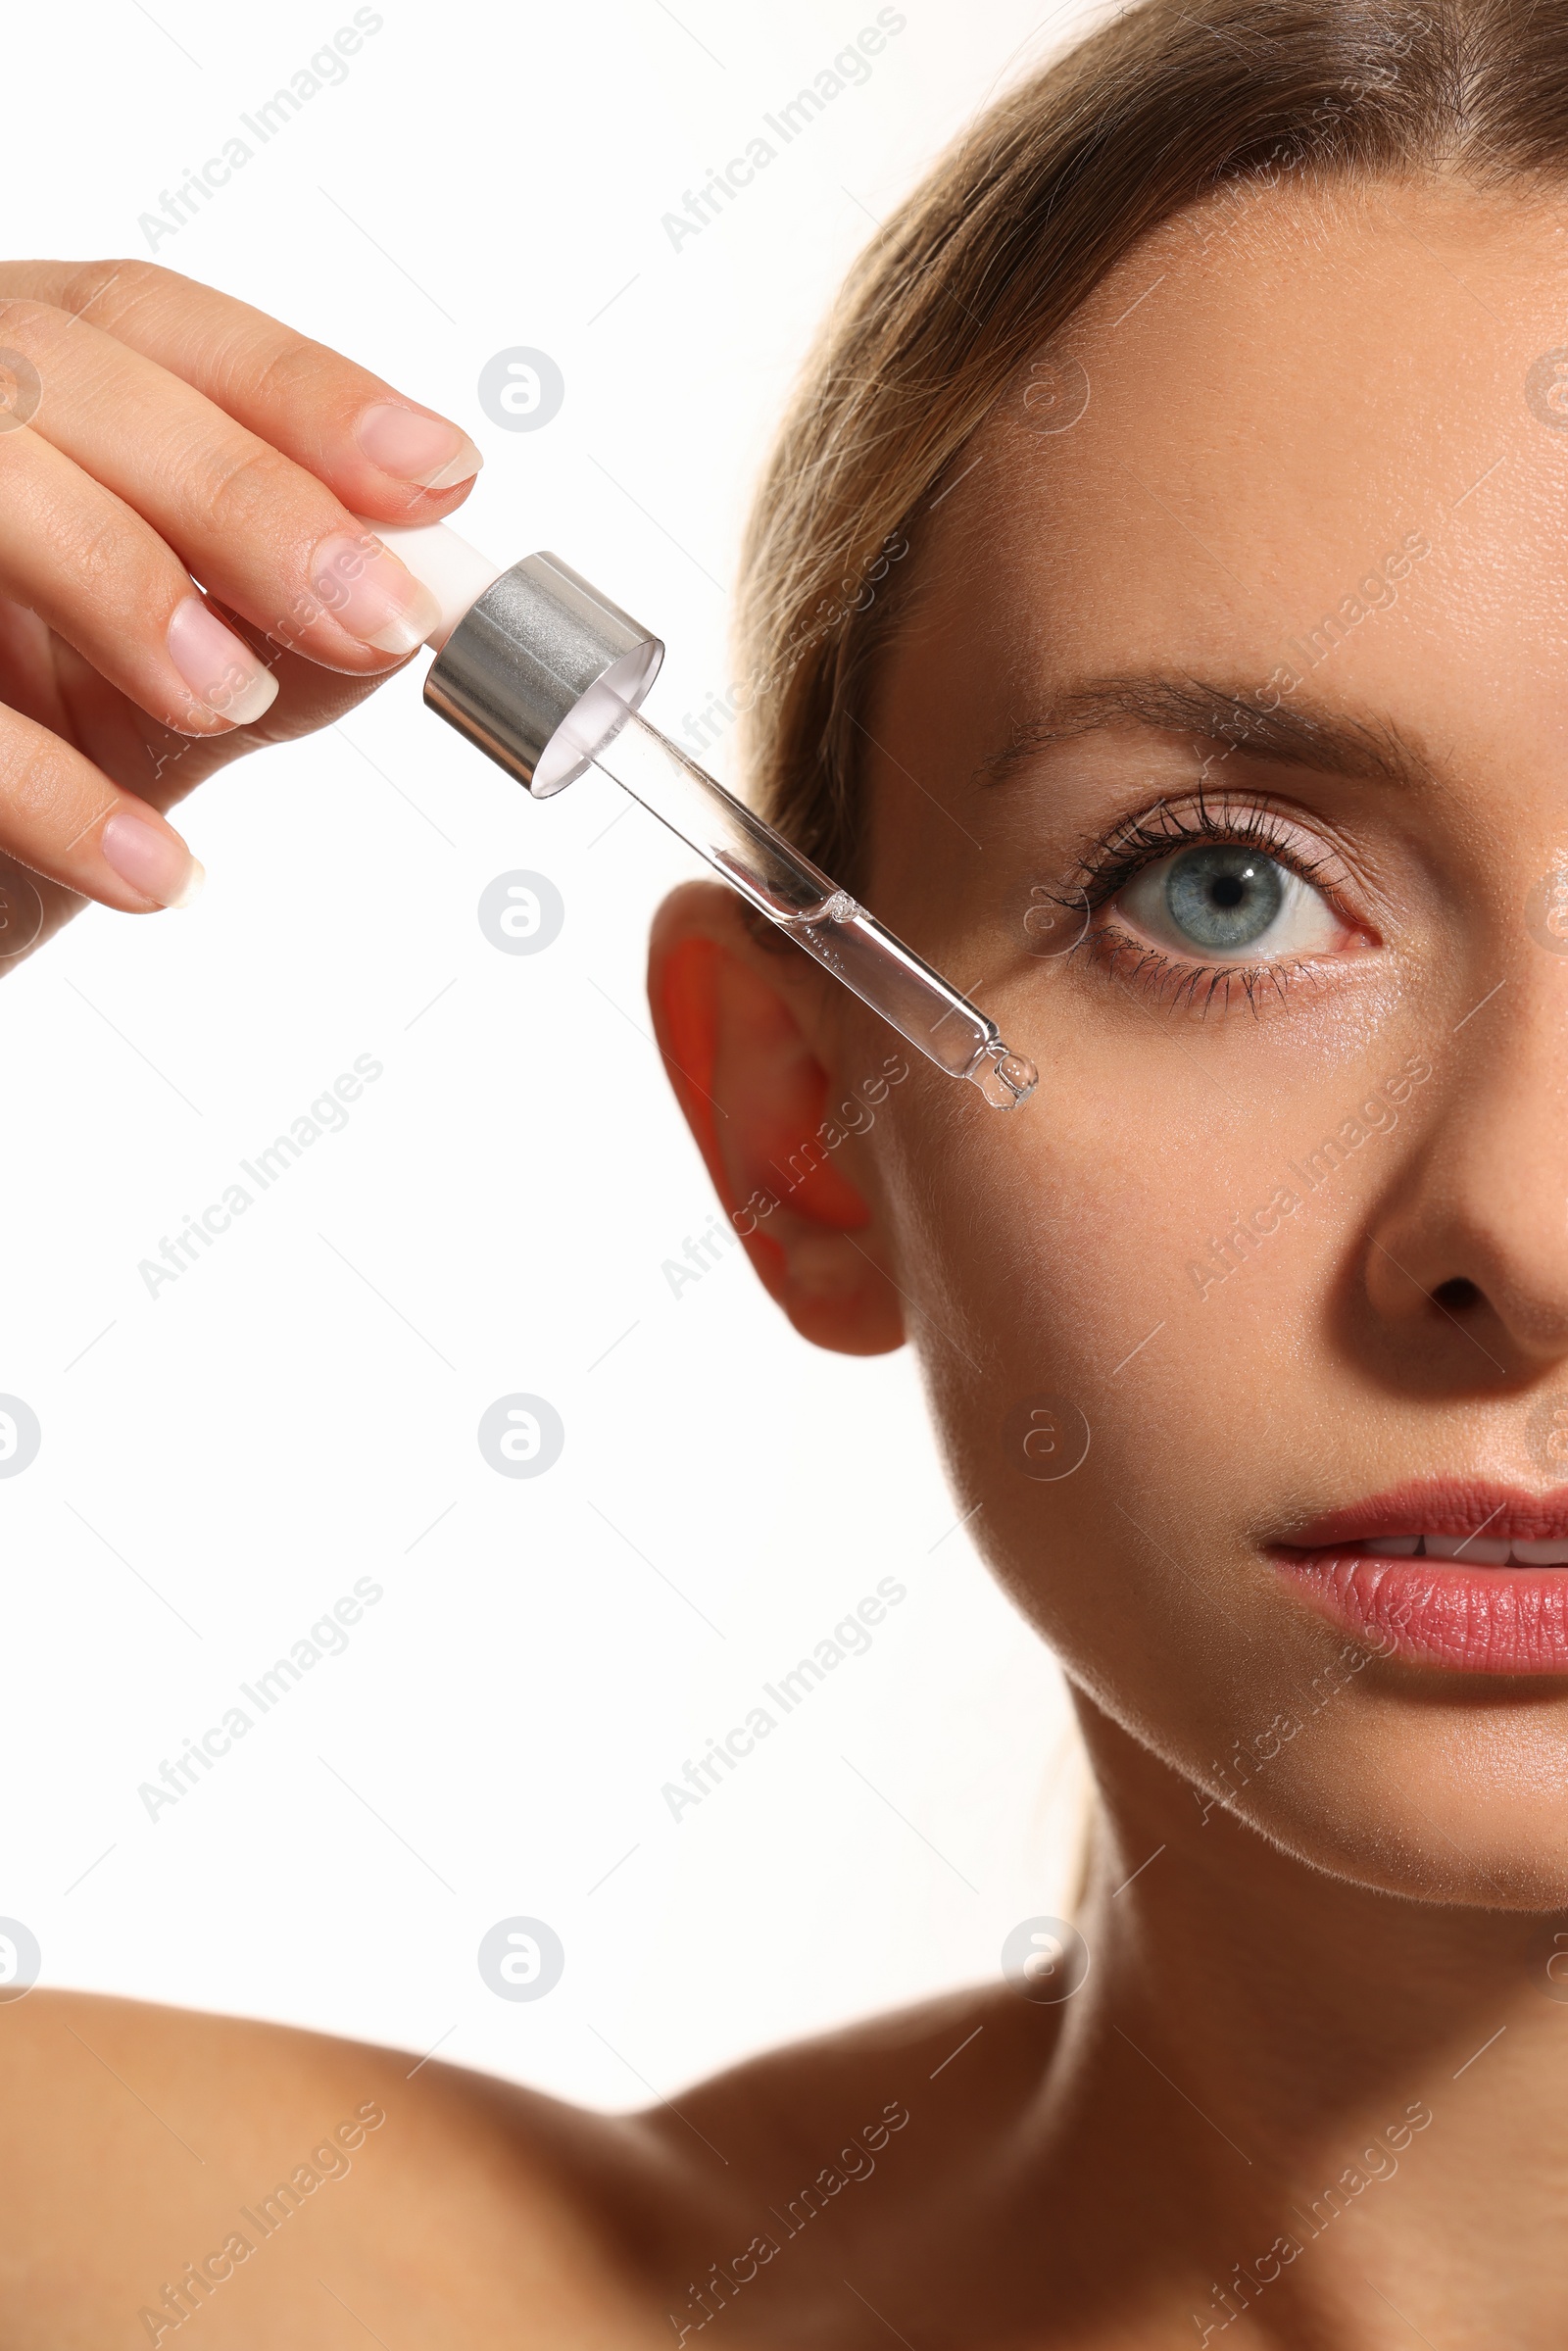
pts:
[222, 1461]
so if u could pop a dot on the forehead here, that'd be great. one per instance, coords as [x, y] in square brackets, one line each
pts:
[1280, 392]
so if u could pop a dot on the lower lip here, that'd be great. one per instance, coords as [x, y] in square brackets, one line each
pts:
[1440, 1612]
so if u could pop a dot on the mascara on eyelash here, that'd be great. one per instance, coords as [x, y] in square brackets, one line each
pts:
[1179, 985]
[1233, 875]
[1109, 864]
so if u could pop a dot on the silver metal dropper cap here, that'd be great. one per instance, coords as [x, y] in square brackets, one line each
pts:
[518, 673]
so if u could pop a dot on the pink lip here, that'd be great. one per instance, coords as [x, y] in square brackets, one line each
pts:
[1440, 1612]
[1443, 1506]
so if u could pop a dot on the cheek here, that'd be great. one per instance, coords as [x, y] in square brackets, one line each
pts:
[1124, 1245]
[1091, 1394]
[1077, 1257]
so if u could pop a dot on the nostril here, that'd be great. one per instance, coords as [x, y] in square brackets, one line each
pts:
[1456, 1297]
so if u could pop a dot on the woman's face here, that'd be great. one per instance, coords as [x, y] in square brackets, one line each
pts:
[1222, 754]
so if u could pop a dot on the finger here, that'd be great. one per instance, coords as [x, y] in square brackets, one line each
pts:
[384, 455]
[261, 532]
[100, 578]
[165, 767]
[61, 816]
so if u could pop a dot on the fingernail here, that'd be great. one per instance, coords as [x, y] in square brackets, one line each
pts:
[218, 667]
[151, 858]
[371, 595]
[423, 450]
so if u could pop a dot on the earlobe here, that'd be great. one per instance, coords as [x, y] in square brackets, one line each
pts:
[757, 1097]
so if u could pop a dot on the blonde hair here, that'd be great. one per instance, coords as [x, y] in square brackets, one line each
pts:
[1002, 243]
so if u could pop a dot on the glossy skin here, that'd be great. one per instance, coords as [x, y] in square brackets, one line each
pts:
[1330, 1967]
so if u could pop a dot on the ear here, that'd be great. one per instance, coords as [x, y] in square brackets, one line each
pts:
[730, 1014]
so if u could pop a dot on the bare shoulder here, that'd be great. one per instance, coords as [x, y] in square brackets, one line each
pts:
[167, 2165]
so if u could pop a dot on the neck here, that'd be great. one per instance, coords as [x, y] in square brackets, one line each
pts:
[1337, 2104]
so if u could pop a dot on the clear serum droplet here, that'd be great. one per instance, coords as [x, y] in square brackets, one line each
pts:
[1005, 1079]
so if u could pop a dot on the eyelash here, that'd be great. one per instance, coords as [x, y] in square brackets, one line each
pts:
[1107, 865]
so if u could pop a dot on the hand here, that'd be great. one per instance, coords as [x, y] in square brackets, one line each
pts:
[154, 433]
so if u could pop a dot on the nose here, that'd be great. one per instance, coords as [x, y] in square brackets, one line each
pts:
[1469, 1248]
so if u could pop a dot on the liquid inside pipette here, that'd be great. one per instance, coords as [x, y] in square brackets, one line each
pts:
[803, 901]
[853, 944]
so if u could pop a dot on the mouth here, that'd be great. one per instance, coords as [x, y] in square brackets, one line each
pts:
[1458, 1573]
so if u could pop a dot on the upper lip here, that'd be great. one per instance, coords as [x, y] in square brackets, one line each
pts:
[1441, 1506]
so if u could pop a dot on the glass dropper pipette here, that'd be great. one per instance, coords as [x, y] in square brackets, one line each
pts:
[545, 673]
[826, 921]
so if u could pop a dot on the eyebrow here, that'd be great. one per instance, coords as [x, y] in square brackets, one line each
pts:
[1300, 733]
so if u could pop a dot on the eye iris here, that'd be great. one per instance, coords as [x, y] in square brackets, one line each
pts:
[1224, 895]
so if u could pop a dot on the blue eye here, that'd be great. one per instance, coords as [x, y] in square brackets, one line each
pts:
[1226, 902]
[1224, 897]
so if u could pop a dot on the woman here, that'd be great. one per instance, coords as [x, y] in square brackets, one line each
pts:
[1211, 729]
